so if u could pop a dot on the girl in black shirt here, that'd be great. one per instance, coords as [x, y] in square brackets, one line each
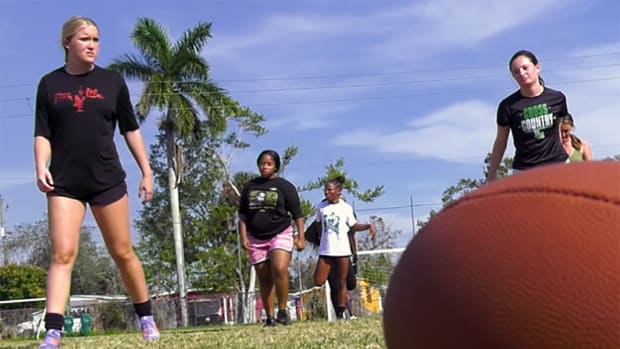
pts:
[266, 207]
[77, 109]
[533, 114]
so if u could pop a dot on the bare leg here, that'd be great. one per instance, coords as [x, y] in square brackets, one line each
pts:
[341, 271]
[267, 290]
[323, 267]
[280, 260]
[113, 221]
[65, 218]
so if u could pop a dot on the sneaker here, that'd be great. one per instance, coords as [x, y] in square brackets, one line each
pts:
[283, 317]
[270, 322]
[52, 340]
[149, 329]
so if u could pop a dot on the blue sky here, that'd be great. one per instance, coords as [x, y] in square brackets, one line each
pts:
[404, 91]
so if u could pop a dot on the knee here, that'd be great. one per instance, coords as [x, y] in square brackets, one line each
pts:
[279, 269]
[280, 273]
[64, 257]
[123, 256]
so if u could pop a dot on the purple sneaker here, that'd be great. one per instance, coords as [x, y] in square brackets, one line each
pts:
[149, 329]
[270, 322]
[52, 340]
[283, 317]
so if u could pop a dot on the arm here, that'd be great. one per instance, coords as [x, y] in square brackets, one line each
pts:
[293, 205]
[42, 156]
[586, 151]
[361, 227]
[243, 231]
[300, 239]
[136, 146]
[243, 228]
[499, 147]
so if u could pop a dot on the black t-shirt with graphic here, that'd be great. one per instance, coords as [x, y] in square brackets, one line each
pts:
[265, 206]
[78, 115]
[534, 122]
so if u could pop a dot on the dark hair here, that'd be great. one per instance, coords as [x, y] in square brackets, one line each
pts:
[338, 181]
[575, 141]
[274, 155]
[531, 57]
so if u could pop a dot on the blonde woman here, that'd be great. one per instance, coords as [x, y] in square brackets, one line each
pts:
[78, 107]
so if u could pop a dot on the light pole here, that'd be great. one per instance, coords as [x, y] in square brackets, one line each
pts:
[3, 232]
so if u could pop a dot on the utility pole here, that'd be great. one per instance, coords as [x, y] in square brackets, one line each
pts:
[3, 232]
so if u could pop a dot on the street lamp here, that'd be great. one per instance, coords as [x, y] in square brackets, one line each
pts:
[3, 231]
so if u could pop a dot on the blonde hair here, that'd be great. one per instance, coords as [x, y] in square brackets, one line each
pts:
[71, 26]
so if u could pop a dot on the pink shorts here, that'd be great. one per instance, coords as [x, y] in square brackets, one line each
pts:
[259, 249]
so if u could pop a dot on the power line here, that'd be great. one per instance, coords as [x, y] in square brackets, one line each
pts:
[365, 98]
[374, 163]
[392, 208]
[375, 74]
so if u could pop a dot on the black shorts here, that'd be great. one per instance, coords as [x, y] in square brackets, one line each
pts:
[101, 198]
[351, 280]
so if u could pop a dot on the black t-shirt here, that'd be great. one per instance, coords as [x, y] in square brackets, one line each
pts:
[534, 122]
[78, 115]
[265, 205]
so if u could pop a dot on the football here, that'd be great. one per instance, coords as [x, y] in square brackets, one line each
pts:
[527, 261]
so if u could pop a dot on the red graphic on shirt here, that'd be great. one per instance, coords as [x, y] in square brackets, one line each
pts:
[79, 98]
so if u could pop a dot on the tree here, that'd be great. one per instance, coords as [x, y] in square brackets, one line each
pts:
[613, 158]
[93, 272]
[208, 207]
[376, 268]
[177, 83]
[350, 186]
[305, 262]
[21, 282]
[466, 185]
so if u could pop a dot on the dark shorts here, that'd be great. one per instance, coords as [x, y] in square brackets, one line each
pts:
[101, 198]
[332, 278]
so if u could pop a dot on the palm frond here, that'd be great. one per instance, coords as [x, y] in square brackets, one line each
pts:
[193, 39]
[132, 67]
[184, 114]
[176, 82]
[151, 39]
[189, 66]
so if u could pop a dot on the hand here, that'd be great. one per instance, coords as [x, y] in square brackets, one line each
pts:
[245, 243]
[372, 230]
[45, 182]
[145, 189]
[300, 244]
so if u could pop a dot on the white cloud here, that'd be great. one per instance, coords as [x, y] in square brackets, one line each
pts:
[459, 132]
[594, 97]
[13, 177]
[314, 42]
[385, 33]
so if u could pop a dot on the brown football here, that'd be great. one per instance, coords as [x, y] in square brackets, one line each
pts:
[528, 261]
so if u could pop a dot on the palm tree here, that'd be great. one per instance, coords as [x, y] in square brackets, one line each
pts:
[177, 85]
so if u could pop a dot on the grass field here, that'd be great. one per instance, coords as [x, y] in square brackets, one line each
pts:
[362, 333]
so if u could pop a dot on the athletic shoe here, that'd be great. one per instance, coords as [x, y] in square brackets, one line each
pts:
[283, 317]
[149, 329]
[270, 322]
[52, 340]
